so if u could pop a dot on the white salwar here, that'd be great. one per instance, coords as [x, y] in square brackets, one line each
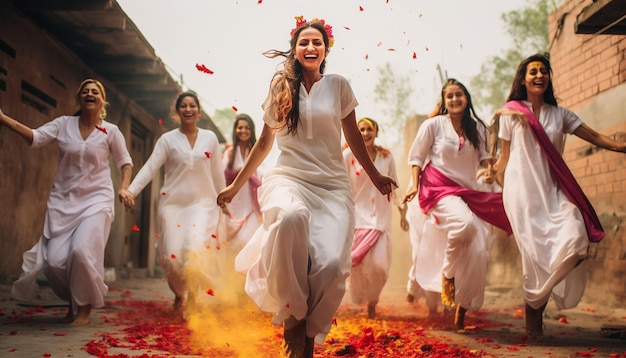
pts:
[79, 214]
[427, 251]
[373, 211]
[188, 239]
[298, 260]
[245, 214]
[548, 228]
[465, 238]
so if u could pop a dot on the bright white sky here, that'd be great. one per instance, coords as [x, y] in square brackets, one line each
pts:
[229, 36]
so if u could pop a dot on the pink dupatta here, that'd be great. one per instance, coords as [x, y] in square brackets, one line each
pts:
[561, 173]
[434, 185]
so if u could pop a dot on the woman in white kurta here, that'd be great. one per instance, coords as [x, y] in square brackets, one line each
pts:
[453, 145]
[298, 261]
[187, 212]
[80, 207]
[371, 247]
[549, 229]
[245, 212]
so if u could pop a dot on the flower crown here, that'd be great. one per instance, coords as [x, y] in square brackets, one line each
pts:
[329, 29]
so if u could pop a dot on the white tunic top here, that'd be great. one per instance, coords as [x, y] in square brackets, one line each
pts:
[438, 142]
[82, 183]
[539, 211]
[192, 175]
[372, 210]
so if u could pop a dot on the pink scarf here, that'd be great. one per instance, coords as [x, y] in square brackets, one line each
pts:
[364, 240]
[434, 185]
[562, 174]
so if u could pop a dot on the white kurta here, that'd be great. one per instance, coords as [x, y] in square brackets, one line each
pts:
[372, 211]
[467, 237]
[245, 214]
[548, 228]
[188, 211]
[79, 213]
[299, 259]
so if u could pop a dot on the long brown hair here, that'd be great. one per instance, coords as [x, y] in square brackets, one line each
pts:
[470, 119]
[285, 87]
[518, 90]
[251, 142]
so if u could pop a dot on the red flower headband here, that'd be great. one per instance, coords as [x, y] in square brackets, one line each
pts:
[329, 29]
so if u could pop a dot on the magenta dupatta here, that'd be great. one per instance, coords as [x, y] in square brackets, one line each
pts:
[434, 185]
[561, 173]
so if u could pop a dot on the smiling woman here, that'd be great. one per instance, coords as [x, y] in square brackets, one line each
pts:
[188, 214]
[80, 208]
[298, 261]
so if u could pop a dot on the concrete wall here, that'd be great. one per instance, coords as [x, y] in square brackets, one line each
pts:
[51, 74]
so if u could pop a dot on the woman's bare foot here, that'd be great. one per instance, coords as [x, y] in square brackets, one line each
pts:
[459, 319]
[82, 318]
[371, 310]
[294, 336]
[410, 298]
[309, 347]
[534, 322]
[178, 304]
[69, 317]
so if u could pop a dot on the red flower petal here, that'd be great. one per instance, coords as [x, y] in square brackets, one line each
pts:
[360, 8]
[234, 108]
[414, 55]
[203, 68]
[207, 154]
[160, 121]
[173, 256]
[210, 292]
[135, 228]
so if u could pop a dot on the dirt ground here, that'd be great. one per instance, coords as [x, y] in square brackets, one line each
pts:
[123, 329]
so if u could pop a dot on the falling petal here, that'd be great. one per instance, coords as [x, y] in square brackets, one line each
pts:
[163, 193]
[414, 55]
[210, 292]
[173, 256]
[203, 68]
[360, 8]
[346, 27]
[160, 121]
[234, 108]
[366, 56]
[391, 49]
[135, 227]
[207, 154]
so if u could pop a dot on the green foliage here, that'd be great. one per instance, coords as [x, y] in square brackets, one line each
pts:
[529, 33]
[393, 92]
[223, 119]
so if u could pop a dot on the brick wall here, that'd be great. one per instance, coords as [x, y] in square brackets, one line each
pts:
[589, 77]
